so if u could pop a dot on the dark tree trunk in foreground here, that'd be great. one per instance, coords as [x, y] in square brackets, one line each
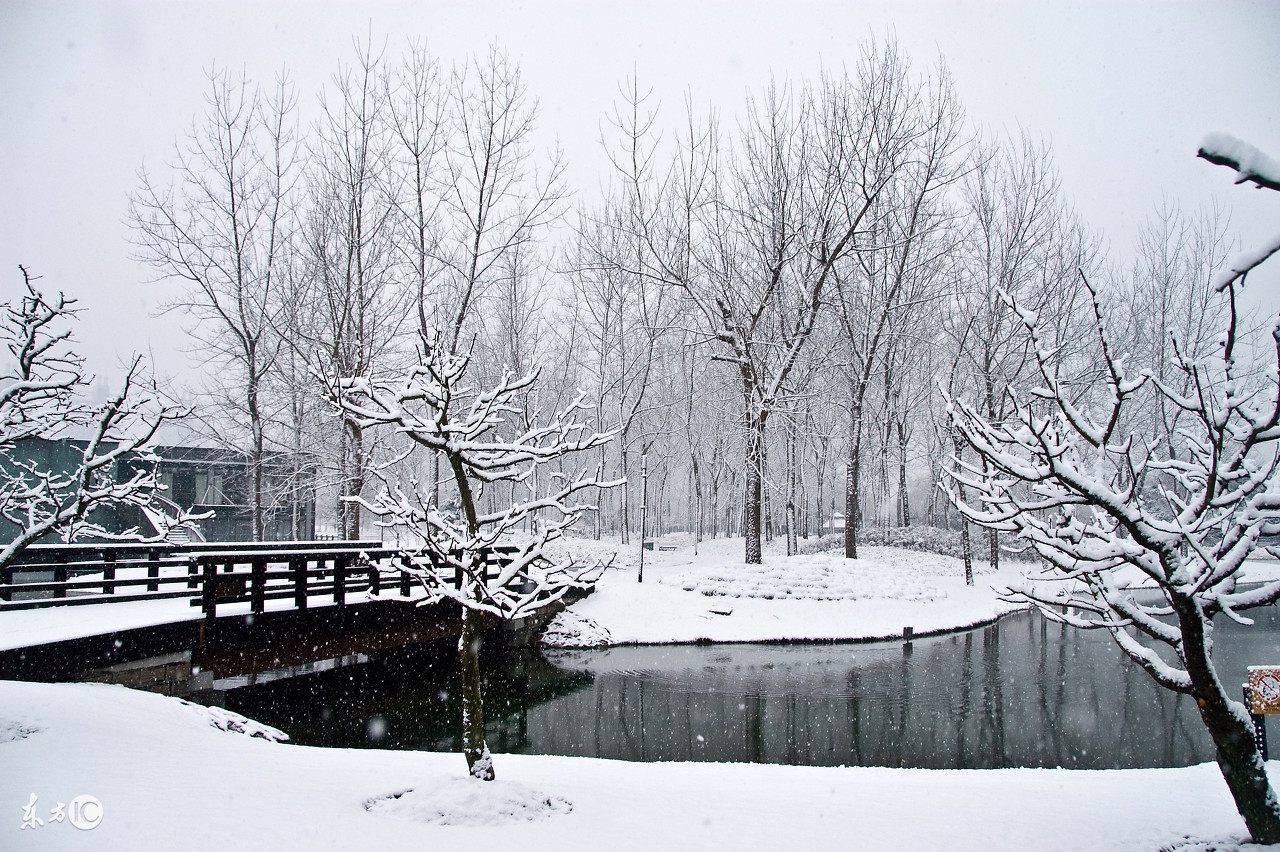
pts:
[479, 763]
[1231, 732]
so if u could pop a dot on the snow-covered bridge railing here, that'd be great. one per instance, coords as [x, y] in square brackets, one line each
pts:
[213, 574]
[49, 575]
[232, 576]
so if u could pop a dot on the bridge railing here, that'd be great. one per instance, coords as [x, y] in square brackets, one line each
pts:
[214, 574]
[237, 576]
[45, 575]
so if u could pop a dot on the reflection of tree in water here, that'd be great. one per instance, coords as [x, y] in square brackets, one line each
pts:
[413, 692]
[1023, 693]
[1020, 693]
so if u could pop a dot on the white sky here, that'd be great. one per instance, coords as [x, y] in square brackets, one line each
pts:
[1124, 91]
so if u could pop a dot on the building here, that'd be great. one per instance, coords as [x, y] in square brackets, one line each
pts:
[218, 482]
[212, 484]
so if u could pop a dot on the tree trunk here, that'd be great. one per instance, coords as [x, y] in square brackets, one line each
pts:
[256, 455]
[790, 453]
[697, 506]
[355, 485]
[479, 762]
[752, 496]
[966, 545]
[851, 509]
[1229, 727]
[904, 501]
[624, 517]
[820, 474]
[766, 504]
[851, 486]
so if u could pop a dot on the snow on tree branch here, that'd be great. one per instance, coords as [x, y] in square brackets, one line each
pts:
[479, 436]
[40, 399]
[1251, 166]
[1110, 511]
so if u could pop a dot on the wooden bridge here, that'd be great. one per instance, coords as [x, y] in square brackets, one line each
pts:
[262, 607]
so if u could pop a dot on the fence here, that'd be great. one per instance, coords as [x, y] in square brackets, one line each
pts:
[212, 573]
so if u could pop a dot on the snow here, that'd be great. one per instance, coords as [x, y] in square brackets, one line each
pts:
[24, 627]
[1250, 162]
[685, 597]
[571, 630]
[167, 777]
[712, 596]
[171, 774]
[1244, 262]
[469, 801]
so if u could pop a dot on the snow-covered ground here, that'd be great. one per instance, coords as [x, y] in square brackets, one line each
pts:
[170, 775]
[713, 596]
[166, 774]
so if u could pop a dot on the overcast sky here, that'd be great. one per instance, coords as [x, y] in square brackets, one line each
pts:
[1123, 91]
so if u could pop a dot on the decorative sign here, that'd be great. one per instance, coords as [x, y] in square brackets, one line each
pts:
[1264, 689]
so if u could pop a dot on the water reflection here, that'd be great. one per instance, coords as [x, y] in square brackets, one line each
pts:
[1023, 692]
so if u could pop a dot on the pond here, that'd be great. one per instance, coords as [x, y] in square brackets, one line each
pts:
[1021, 692]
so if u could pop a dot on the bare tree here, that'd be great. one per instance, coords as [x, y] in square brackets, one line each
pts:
[483, 439]
[913, 137]
[495, 197]
[224, 229]
[750, 234]
[356, 300]
[42, 391]
[1062, 473]
[1170, 299]
[1024, 242]
[625, 318]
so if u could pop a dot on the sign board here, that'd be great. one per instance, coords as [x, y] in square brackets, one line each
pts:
[1264, 689]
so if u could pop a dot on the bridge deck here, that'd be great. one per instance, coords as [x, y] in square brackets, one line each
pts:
[24, 628]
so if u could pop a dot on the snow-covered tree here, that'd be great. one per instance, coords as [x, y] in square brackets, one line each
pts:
[481, 436]
[1105, 508]
[42, 390]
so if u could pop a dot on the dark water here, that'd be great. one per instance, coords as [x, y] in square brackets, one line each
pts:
[1022, 692]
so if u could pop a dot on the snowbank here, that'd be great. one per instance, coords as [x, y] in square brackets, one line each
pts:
[168, 776]
[713, 596]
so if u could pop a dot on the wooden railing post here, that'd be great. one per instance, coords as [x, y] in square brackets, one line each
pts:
[153, 570]
[108, 572]
[406, 587]
[60, 576]
[210, 590]
[298, 565]
[258, 587]
[340, 580]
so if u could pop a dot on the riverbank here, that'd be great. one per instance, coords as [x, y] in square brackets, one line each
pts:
[712, 596]
[174, 775]
[708, 594]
